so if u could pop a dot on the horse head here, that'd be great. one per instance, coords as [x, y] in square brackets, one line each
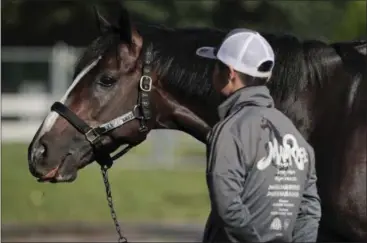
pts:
[106, 106]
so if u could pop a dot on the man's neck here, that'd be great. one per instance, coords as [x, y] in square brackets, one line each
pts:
[236, 85]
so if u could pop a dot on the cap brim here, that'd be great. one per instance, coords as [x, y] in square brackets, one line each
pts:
[207, 52]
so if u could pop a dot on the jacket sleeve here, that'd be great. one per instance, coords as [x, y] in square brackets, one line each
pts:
[225, 178]
[307, 222]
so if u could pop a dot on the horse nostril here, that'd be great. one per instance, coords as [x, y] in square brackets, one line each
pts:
[39, 152]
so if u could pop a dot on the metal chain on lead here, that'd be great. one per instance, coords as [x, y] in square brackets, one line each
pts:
[110, 204]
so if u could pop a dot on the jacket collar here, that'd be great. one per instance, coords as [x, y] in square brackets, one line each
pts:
[256, 96]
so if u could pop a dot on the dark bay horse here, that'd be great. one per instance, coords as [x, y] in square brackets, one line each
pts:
[132, 79]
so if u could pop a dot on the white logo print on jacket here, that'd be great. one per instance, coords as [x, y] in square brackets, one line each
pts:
[284, 154]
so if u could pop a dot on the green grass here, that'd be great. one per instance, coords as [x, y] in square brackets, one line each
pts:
[159, 195]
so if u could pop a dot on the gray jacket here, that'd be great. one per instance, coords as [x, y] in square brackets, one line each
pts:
[260, 174]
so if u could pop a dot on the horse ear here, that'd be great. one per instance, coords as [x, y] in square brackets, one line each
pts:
[125, 26]
[102, 23]
[129, 35]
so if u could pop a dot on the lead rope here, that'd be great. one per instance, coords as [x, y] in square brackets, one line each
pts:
[110, 204]
[144, 101]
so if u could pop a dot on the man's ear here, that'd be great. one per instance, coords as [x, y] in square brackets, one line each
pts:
[232, 74]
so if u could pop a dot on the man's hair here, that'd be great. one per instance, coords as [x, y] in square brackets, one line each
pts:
[247, 79]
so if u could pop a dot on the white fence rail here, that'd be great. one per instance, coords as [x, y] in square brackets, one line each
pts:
[25, 105]
[31, 109]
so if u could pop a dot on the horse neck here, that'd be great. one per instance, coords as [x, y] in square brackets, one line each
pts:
[310, 98]
[191, 115]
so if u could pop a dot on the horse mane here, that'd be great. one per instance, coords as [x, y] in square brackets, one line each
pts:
[184, 72]
[299, 64]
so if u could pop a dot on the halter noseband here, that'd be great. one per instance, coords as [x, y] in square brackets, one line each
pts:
[141, 111]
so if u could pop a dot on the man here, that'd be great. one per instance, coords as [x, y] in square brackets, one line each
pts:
[260, 171]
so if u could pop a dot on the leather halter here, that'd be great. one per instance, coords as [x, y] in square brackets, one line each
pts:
[141, 111]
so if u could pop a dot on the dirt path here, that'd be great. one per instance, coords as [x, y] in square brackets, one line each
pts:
[84, 232]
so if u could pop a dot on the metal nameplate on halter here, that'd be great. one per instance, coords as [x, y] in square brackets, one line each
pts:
[119, 121]
[143, 84]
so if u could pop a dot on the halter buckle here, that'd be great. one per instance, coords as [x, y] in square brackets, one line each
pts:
[137, 113]
[92, 135]
[143, 84]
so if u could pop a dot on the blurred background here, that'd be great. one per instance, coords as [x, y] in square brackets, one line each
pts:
[159, 188]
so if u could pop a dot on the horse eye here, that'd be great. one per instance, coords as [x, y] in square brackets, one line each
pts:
[106, 81]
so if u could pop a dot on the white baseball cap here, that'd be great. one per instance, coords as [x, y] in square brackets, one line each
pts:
[244, 50]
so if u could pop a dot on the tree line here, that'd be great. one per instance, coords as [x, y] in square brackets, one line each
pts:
[41, 22]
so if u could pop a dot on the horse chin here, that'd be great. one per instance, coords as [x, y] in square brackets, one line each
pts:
[68, 172]
[64, 172]
[64, 178]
